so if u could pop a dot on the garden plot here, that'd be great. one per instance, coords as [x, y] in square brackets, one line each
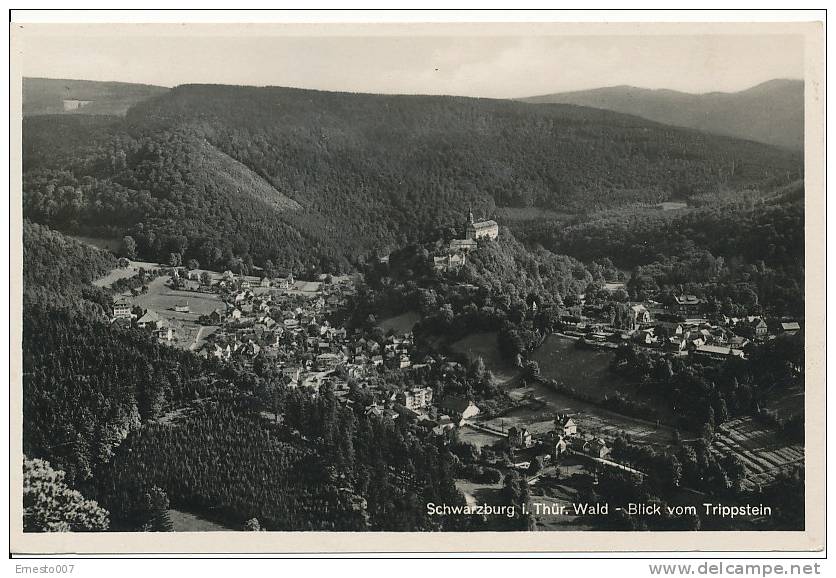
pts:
[761, 449]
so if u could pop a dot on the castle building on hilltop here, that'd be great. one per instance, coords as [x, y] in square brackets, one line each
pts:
[480, 229]
[462, 245]
[459, 248]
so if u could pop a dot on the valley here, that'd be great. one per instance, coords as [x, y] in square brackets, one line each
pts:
[300, 310]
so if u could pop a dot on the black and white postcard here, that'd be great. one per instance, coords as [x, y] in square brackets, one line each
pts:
[417, 287]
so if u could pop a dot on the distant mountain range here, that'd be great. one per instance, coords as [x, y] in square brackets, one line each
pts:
[771, 112]
[61, 96]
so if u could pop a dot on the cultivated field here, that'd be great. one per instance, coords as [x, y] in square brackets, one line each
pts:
[760, 447]
[484, 345]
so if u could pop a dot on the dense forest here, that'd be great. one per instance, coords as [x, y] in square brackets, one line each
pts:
[116, 379]
[121, 415]
[59, 270]
[713, 250]
[318, 180]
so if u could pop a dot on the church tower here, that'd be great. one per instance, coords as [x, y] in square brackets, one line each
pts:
[481, 229]
[470, 229]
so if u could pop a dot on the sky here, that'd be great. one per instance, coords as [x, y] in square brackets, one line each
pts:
[495, 66]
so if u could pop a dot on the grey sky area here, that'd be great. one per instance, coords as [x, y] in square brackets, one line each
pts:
[488, 66]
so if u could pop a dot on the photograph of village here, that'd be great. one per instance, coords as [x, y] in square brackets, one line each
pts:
[396, 284]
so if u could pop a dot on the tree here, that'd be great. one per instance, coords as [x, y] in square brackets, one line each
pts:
[175, 259]
[155, 506]
[531, 369]
[707, 432]
[252, 525]
[721, 413]
[621, 295]
[735, 470]
[128, 248]
[49, 505]
[515, 487]
[669, 471]
[192, 264]
[269, 269]
[535, 466]
[206, 278]
[479, 368]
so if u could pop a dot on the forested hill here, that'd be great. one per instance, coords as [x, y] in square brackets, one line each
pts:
[753, 243]
[315, 179]
[58, 272]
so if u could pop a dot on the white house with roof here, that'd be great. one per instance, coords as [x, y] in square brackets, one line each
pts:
[121, 309]
[148, 318]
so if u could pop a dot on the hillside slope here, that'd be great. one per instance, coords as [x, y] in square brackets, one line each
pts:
[62, 96]
[315, 179]
[772, 112]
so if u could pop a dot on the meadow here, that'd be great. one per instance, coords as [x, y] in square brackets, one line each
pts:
[587, 372]
[400, 324]
[484, 345]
